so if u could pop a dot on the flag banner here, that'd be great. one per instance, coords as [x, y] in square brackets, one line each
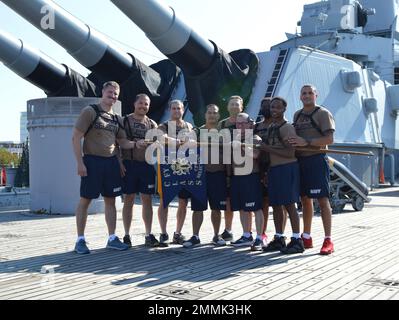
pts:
[183, 169]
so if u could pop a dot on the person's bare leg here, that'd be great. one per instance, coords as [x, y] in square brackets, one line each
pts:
[110, 214]
[181, 215]
[307, 214]
[326, 215]
[147, 212]
[216, 217]
[162, 217]
[228, 216]
[285, 218]
[198, 218]
[265, 210]
[245, 221]
[294, 217]
[278, 217]
[127, 211]
[259, 222]
[81, 216]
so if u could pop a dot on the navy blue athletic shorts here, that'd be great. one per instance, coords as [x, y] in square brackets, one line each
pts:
[284, 185]
[216, 190]
[139, 177]
[314, 176]
[103, 177]
[246, 193]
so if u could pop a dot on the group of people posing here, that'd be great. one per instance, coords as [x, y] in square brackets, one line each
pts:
[287, 168]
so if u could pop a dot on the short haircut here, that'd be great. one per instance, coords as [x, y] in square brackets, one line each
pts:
[309, 86]
[212, 106]
[245, 116]
[141, 95]
[236, 98]
[282, 100]
[111, 84]
[179, 102]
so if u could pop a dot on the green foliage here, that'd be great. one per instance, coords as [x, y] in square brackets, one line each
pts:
[22, 176]
[8, 159]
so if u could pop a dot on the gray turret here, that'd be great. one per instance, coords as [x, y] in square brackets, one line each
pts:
[211, 75]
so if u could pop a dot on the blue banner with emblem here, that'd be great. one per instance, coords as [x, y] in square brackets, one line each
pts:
[181, 170]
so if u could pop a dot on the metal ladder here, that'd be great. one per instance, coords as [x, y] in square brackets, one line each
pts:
[278, 68]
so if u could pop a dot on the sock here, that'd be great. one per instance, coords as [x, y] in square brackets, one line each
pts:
[81, 238]
[280, 235]
[259, 236]
[229, 231]
[327, 237]
[196, 236]
[112, 237]
[306, 235]
[246, 234]
[296, 235]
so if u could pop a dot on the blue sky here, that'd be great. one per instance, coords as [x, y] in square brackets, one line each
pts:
[232, 24]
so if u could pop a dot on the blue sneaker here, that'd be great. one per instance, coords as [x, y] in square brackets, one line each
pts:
[243, 241]
[193, 242]
[81, 247]
[116, 244]
[257, 245]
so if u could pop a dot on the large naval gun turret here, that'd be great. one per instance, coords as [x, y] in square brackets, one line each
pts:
[106, 61]
[53, 78]
[211, 75]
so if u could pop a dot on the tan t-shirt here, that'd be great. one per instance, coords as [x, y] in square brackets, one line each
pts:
[212, 149]
[304, 128]
[101, 139]
[136, 130]
[255, 162]
[185, 127]
[276, 139]
[262, 130]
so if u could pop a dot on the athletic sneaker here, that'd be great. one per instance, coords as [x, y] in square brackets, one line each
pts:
[127, 240]
[163, 240]
[243, 241]
[116, 244]
[277, 244]
[327, 248]
[151, 241]
[218, 241]
[227, 235]
[193, 242]
[295, 246]
[81, 247]
[178, 238]
[307, 243]
[257, 245]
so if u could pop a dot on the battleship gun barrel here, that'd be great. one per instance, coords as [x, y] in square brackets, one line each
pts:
[88, 46]
[174, 38]
[31, 64]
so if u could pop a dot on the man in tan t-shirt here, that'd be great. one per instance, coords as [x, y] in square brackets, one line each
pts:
[315, 128]
[139, 176]
[283, 178]
[98, 167]
[177, 131]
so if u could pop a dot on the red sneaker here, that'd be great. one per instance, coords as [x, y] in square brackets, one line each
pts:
[307, 243]
[264, 239]
[327, 248]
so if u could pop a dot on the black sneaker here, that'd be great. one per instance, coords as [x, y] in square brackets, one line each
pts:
[257, 245]
[127, 240]
[277, 244]
[163, 240]
[243, 241]
[193, 242]
[227, 236]
[295, 246]
[218, 241]
[151, 241]
[178, 238]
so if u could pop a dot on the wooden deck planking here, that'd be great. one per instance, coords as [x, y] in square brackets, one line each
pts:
[222, 273]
